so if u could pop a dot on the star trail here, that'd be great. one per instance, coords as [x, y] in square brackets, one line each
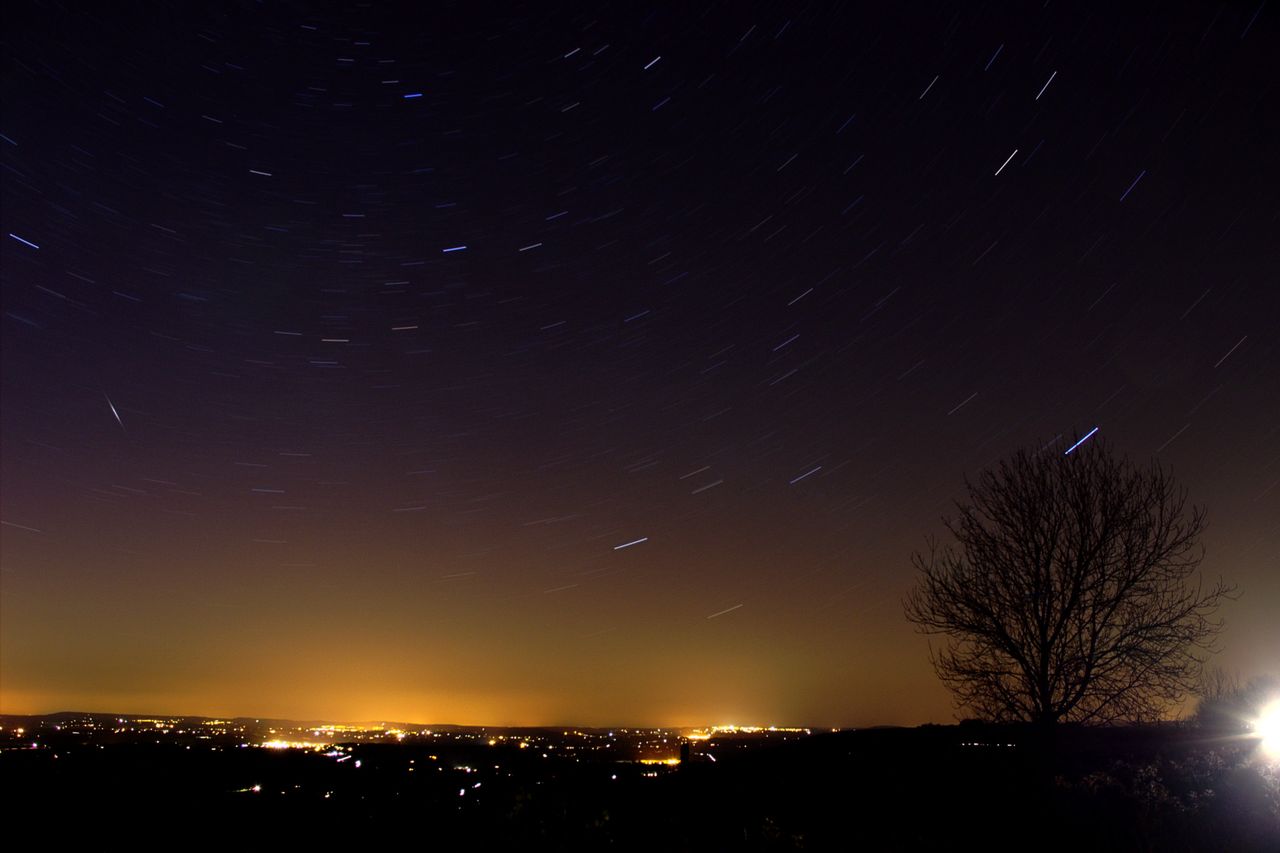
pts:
[601, 367]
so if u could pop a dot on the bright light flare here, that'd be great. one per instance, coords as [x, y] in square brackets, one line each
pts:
[1268, 728]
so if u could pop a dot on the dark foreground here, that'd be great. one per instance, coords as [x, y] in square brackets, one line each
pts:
[930, 788]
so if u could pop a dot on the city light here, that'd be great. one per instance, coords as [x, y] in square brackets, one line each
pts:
[292, 744]
[730, 729]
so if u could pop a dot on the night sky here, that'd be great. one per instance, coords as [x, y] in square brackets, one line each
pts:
[536, 366]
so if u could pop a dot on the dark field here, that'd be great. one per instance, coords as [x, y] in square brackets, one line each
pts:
[927, 788]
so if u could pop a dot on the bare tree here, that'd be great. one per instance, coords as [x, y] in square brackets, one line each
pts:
[1071, 592]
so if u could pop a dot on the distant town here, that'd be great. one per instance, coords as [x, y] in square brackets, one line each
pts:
[149, 779]
[643, 746]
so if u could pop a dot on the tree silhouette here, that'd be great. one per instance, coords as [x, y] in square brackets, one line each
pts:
[1071, 592]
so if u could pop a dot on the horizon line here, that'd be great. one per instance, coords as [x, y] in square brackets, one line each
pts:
[391, 720]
